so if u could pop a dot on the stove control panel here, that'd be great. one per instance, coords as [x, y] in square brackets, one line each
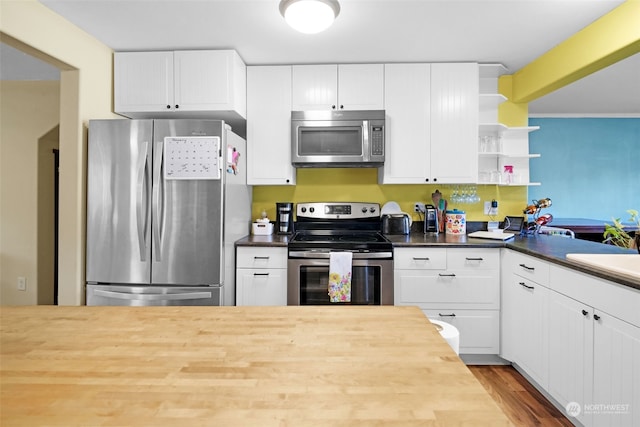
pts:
[338, 210]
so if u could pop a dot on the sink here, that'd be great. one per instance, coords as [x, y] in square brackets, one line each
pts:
[624, 264]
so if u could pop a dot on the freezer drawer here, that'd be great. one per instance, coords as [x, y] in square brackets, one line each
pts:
[153, 295]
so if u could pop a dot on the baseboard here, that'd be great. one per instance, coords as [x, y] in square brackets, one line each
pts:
[483, 359]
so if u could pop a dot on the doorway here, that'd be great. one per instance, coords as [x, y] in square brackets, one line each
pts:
[47, 166]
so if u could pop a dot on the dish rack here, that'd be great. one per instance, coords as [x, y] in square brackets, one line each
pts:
[555, 231]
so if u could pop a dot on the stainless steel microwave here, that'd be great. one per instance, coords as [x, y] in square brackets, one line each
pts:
[337, 138]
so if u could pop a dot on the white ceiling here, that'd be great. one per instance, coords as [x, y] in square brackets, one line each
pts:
[511, 32]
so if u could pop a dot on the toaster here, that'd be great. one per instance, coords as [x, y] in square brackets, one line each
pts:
[399, 223]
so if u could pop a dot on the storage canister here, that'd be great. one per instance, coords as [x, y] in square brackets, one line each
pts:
[456, 222]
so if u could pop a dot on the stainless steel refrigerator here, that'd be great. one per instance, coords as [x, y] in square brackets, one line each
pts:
[166, 200]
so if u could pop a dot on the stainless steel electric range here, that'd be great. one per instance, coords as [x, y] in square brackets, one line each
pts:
[322, 228]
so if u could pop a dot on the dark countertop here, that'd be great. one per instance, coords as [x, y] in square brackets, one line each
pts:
[549, 248]
[442, 239]
[555, 249]
[268, 240]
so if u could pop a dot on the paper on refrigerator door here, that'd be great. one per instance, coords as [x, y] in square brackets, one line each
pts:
[192, 157]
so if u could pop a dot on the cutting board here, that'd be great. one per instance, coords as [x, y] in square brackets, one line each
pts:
[491, 235]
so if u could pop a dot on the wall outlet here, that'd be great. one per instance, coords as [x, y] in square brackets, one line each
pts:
[418, 207]
[22, 283]
[491, 208]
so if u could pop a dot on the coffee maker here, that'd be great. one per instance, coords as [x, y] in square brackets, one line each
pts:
[430, 219]
[284, 218]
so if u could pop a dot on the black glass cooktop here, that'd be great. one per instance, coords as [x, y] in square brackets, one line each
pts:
[343, 239]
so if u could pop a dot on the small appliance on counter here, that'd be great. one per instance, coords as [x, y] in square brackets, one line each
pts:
[396, 223]
[284, 218]
[430, 219]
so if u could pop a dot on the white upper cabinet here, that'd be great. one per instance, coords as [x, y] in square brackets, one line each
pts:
[454, 122]
[181, 84]
[407, 94]
[431, 124]
[210, 80]
[338, 87]
[269, 126]
[361, 86]
[143, 81]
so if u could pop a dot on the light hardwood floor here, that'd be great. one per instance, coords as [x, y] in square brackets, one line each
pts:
[520, 401]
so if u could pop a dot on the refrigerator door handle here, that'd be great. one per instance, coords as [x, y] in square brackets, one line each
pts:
[154, 297]
[157, 219]
[141, 211]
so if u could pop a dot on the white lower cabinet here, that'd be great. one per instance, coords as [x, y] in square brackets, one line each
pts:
[576, 335]
[570, 352]
[525, 314]
[594, 355]
[261, 276]
[480, 328]
[456, 285]
[616, 371]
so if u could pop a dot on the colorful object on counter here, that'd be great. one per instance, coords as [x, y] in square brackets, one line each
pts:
[340, 276]
[456, 222]
[538, 220]
[441, 206]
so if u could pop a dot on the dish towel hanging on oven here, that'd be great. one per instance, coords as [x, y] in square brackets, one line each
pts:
[340, 276]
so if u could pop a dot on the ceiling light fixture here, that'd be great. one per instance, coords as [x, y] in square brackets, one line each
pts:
[309, 16]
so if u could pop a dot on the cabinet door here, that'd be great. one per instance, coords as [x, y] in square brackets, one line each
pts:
[529, 327]
[206, 80]
[570, 351]
[407, 89]
[143, 81]
[360, 87]
[269, 126]
[454, 122]
[616, 372]
[261, 287]
[315, 87]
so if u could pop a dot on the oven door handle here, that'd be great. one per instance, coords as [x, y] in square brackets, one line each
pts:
[356, 255]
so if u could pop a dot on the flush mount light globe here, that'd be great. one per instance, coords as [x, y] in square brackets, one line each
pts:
[309, 16]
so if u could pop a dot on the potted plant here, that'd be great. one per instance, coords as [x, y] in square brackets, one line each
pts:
[619, 234]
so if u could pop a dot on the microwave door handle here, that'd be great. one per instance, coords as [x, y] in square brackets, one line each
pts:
[366, 149]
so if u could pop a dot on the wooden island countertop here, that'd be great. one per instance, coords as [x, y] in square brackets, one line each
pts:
[233, 366]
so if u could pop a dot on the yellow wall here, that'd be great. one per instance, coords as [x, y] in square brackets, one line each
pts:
[29, 110]
[609, 39]
[361, 185]
[85, 93]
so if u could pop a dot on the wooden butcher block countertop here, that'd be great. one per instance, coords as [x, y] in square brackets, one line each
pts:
[233, 366]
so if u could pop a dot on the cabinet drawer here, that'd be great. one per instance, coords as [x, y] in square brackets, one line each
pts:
[479, 329]
[473, 259]
[447, 289]
[420, 259]
[261, 257]
[261, 287]
[531, 268]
